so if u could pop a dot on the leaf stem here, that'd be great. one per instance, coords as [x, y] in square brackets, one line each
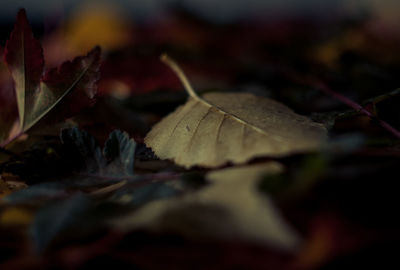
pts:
[179, 72]
[181, 75]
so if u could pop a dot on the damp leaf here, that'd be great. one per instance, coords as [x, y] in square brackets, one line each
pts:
[231, 127]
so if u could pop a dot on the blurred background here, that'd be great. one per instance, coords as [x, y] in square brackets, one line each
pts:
[221, 11]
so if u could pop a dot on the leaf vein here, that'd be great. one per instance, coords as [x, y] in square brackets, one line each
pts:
[61, 97]
[183, 117]
[197, 128]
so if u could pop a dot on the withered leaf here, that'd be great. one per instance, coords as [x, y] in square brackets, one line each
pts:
[231, 127]
[74, 82]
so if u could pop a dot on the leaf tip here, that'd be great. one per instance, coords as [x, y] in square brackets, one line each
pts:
[179, 72]
[164, 57]
[21, 15]
[96, 51]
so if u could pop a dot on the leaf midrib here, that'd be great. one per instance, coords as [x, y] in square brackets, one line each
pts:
[60, 98]
[189, 89]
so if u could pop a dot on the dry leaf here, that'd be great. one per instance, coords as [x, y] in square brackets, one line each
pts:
[230, 207]
[235, 127]
[252, 213]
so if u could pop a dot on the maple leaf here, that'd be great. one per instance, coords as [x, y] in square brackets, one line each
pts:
[236, 127]
[65, 90]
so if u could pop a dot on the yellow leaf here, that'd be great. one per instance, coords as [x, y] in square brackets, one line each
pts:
[235, 127]
[97, 25]
[15, 216]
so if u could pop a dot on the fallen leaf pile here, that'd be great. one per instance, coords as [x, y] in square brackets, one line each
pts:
[285, 156]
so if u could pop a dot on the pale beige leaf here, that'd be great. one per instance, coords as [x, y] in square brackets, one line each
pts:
[230, 207]
[231, 127]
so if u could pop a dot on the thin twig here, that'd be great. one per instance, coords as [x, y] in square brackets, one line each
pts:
[139, 178]
[323, 87]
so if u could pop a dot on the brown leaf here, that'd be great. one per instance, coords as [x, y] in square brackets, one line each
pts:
[231, 127]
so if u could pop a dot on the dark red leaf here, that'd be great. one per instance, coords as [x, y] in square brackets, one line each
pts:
[79, 79]
[64, 91]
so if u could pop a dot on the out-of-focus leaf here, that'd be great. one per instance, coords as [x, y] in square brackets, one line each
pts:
[54, 218]
[298, 180]
[96, 24]
[253, 215]
[39, 194]
[15, 216]
[82, 30]
[230, 207]
[138, 196]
